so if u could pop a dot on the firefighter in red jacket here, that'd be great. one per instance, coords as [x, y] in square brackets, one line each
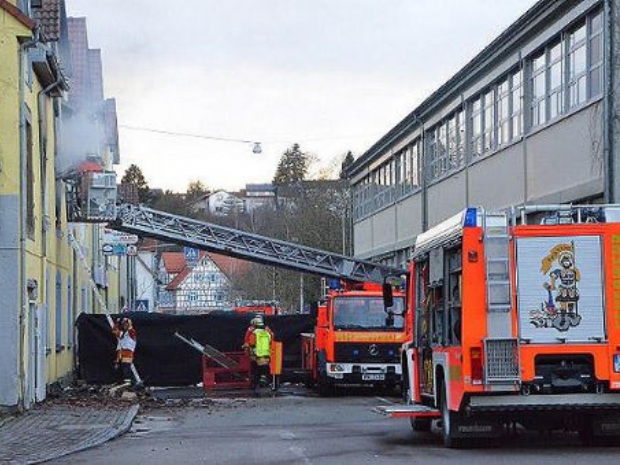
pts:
[257, 342]
[125, 349]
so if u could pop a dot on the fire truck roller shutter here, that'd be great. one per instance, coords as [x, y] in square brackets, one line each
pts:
[560, 289]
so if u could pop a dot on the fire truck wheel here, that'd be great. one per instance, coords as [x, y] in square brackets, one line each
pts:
[448, 421]
[323, 387]
[421, 425]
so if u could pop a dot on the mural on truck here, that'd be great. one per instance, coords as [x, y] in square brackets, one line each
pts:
[560, 309]
[559, 288]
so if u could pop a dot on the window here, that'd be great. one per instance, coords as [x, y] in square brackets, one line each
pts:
[442, 149]
[58, 318]
[556, 81]
[596, 54]
[414, 162]
[476, 128]
[577, 71]
[398, 170]
[431, 155]
[456, 141]
[29, 181]
[445, 147]
[462, 137]
[539, 90]
[69, 313]
[489, 121]
[516, 104]
[568, 71]
[503, 112]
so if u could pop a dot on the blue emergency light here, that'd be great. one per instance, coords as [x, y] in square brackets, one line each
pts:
[471, 218]
[334, 284]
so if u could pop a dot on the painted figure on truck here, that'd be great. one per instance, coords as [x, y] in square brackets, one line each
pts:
[563, 281]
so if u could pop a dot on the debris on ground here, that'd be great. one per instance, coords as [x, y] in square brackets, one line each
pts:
[83, 395]
[111, 396]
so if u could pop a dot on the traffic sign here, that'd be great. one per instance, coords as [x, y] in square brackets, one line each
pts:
[141, 306]
[110, 236]
[115, 249]
[191, 256]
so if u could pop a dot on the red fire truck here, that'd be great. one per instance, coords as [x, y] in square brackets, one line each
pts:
[265, 308]
[516, 320]
[356, 340]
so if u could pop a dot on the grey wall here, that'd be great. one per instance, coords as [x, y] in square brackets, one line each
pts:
[614, 104]
[565, 161]
[9, 300]
[446, 197]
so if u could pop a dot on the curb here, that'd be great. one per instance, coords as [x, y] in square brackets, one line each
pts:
[114, 432]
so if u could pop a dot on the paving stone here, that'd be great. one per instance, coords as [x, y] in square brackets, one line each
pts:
[52, 431]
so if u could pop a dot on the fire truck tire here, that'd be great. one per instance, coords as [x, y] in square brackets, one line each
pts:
[420, 425]
[449, 421]
[323, 387]
[585, 436]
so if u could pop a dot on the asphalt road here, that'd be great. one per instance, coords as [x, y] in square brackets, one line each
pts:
[313, 430]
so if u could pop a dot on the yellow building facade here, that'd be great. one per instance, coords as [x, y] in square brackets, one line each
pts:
[43, 285]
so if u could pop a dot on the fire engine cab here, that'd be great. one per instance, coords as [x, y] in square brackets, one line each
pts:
[516, 319]
[356, 340]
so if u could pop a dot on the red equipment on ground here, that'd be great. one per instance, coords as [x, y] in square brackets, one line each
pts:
[237, 376]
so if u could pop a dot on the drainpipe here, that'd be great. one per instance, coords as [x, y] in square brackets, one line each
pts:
[23, 296]
[608, 106]
[42, 92]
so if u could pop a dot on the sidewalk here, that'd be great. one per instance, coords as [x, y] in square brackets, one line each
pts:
[50, 431]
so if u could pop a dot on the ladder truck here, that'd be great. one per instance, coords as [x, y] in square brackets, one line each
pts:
[516, 320]
[357, 338]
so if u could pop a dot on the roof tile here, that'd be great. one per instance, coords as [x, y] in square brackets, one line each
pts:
[174, 262]
[48, 18]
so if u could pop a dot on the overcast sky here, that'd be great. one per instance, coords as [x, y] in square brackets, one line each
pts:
[332, 75]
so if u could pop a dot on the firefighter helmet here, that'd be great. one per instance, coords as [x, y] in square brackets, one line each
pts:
[258, 321]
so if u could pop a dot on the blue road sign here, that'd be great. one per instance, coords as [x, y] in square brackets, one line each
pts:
[141, 306]
[191, 256]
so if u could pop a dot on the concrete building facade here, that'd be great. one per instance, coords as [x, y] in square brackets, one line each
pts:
[528, 120]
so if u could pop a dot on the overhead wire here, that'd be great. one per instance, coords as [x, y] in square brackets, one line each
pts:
[229, 139]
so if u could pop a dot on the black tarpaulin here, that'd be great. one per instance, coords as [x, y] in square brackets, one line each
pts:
[164, 360]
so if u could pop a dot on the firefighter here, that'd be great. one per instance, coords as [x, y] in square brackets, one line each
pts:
[257, 342]
[125, 349]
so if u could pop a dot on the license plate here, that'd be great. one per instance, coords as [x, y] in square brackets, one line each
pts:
[373, 377]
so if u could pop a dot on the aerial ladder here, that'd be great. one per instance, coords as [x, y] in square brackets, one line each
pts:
[147, 222]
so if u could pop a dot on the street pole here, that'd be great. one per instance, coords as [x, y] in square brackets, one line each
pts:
[301, 293]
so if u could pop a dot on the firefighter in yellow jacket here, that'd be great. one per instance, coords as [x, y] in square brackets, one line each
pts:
[257, 342]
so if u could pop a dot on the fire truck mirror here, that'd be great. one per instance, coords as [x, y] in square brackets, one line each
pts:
[389, 320]
[388, 296]
[322, 316]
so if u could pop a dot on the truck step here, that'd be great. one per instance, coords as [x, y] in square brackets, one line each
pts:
[407, 411]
